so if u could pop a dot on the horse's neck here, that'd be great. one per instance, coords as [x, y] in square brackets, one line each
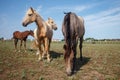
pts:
[48, 24]
[39, 21]
[25, 34]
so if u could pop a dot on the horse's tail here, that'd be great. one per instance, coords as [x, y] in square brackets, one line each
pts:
[70, 23]
[67, 26]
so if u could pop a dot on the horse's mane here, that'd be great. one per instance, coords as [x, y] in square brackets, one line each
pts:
[38, 15]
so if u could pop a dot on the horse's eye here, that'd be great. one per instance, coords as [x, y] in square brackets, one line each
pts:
[52, 22]
[30, 14]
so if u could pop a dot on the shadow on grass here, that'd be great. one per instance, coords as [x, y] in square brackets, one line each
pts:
[80, 63]
[54, 54]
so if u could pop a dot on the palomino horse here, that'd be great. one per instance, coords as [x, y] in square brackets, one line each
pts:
[22, 36]
[43, 32]
[73, 29]
[52, 26]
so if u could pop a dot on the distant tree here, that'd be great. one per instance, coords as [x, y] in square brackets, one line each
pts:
[63, 40]
[2, 39]
[90, 39]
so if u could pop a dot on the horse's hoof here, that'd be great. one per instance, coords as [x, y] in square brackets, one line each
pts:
[25, 51]
[37, 53]
[19, 51]
[15, 51]
[69, 74]
[49, 60]
[40, 59]
[43, 57]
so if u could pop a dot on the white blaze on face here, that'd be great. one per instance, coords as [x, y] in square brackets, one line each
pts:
[68, 68]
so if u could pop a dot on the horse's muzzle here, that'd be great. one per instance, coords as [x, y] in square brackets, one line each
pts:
[24, 24]
[56, 28]
[69, 71]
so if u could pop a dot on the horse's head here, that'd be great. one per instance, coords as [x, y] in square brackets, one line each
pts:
[52, 23]
[69, 58]
[29, 17]
[31, 33]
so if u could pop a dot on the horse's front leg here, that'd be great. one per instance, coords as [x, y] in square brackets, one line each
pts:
[47, 49]
[40, 52]
[15, 43]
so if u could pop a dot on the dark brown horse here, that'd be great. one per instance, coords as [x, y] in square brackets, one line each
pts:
[73, 29]
[22, 36]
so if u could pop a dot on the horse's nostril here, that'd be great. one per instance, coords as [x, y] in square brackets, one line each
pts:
[68, 71]
[56, 28]
[23, 24]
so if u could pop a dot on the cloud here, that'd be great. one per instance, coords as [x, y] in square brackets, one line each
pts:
[3, 19]
[75, 8]
[105, 24]
[39, 8]
[104, 21]
[80, 8]
[108, 17]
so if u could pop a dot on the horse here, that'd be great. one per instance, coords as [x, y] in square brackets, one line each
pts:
[22, 36]
[51, 24]
[73, 30]
[43, 32]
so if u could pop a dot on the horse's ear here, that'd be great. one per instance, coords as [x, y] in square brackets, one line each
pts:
[32, 9]
[64, 12]
[48, 18]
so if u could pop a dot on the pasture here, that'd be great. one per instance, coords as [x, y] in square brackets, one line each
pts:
[100, 62]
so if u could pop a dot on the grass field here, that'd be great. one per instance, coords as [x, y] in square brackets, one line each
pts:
[100, 62]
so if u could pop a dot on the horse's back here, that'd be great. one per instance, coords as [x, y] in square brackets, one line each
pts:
[81, 29]
[75, 23]
[16, 34]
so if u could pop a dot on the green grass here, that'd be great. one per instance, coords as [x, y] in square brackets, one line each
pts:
[100, 62]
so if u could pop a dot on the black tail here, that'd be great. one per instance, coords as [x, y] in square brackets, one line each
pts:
[67, 26]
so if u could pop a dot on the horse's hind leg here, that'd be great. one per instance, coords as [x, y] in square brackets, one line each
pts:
[25, 45]
[15, 43]
[80, 47]
[39, 52]
[20, 45]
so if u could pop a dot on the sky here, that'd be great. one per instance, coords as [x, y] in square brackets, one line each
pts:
[102, 17]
